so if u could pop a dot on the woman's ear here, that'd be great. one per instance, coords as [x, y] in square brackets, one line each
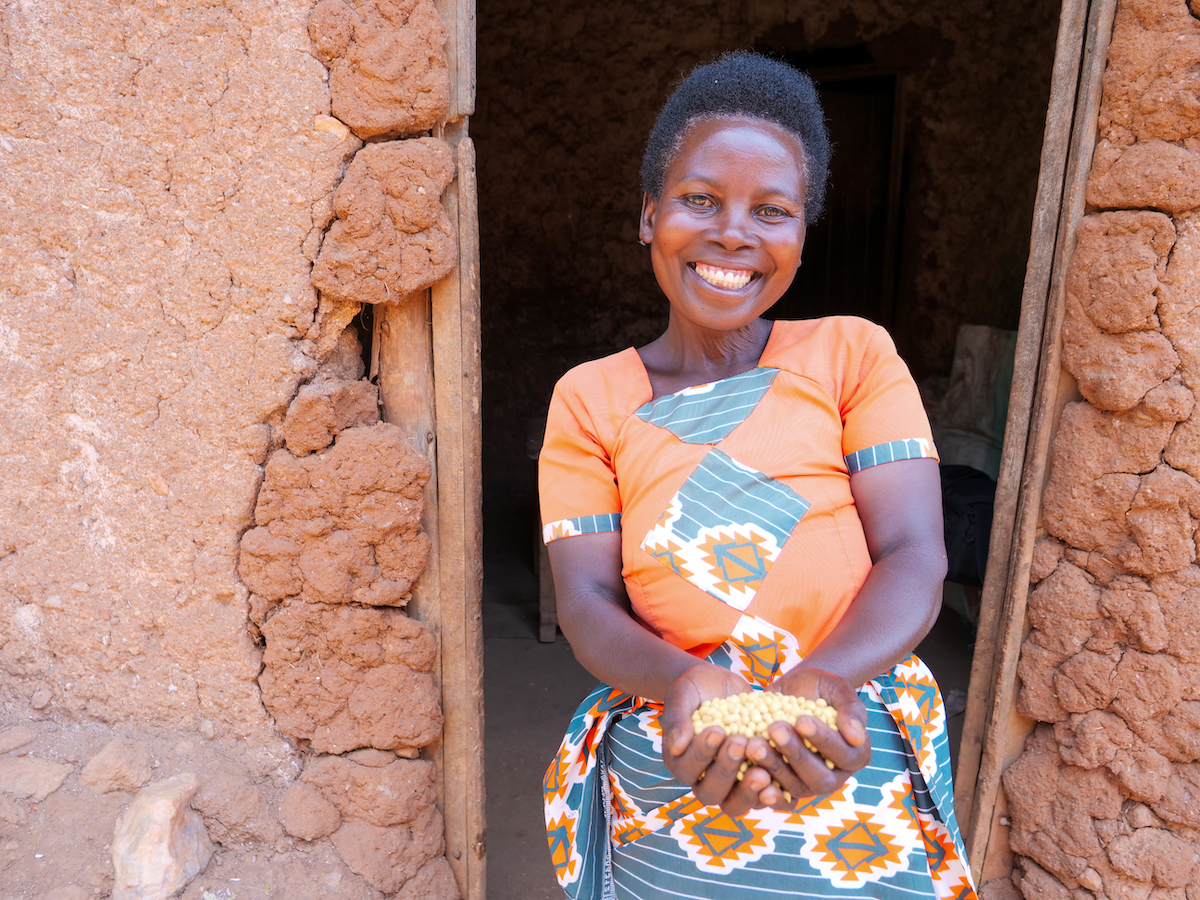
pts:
[646, 224]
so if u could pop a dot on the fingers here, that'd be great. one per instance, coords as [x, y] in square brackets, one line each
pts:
[690, 764]
[809, 770]
[769, 760]
[720, 778]
[833, 746]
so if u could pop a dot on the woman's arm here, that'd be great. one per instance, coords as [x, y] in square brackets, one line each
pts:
[595, 615]
[900, 506]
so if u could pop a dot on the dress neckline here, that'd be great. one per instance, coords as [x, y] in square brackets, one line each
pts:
[649, 387]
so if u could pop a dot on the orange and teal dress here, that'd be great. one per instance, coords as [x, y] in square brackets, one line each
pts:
[741, 544]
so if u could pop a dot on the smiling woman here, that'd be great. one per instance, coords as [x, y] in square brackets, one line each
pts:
[736, 506]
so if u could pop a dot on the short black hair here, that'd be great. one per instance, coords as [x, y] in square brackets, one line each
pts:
[743, 84]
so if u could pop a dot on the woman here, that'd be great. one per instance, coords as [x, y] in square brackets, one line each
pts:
[744, 505]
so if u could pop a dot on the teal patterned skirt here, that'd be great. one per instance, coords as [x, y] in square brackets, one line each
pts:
[619, 826]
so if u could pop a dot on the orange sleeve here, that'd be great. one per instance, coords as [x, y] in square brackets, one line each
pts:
[882, 414]
[577, 486]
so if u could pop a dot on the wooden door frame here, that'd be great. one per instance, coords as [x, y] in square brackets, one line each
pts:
[430, 379]
[994, 732]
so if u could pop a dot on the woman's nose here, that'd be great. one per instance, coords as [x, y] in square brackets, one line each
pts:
[735, 229]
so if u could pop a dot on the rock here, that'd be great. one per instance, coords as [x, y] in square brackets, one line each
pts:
[1150, 83]
[123, 765]
[345, 678]
[388, 857]
[1170, 402]
[387, 64]
[1094, 460]
[1162, 522]
[1147, 175]
[160, 843]
[1143, 772]
[41, 699]
[233, 806]
[324, 408]
[1138, 613]
[1180, 802]
[1091, 740]
[1034, 881]
[1054, 807]
[1180, 732]
[1114, 371]
[1115, 272]
[1063, 608]
[390, 795]
[435, 881]
[392, 236]
[17, 736]
[11, 813]
[29, 777]
[1154, 854]
[1087, 681]
[306, 814]
[341, 526]
[1146, 686]
[1037, 699]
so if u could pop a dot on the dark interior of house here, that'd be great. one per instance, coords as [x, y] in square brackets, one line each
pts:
[936, 112]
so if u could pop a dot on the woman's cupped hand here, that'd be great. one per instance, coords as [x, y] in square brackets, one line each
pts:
[709, 762]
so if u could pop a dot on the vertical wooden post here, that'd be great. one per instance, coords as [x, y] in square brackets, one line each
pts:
[458, 385]
[431, 380]
[993, 733]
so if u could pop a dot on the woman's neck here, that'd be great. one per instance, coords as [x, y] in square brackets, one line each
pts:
[684, 355]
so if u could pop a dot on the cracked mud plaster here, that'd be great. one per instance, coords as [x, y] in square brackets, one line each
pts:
[345, 677]
[1106, 797]
[341, 526]
[387, 64]
[165, 190]
[392, 236]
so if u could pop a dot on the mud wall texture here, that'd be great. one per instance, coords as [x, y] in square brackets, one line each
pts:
[567, 98]
[1105, 800]
[207, 537]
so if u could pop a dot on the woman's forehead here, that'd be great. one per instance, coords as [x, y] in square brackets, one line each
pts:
[720, 141]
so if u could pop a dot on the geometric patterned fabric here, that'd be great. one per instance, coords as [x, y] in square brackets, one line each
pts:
[620, 827]
[581, 525]
[725, 527]
[892, 451]
[707, 413]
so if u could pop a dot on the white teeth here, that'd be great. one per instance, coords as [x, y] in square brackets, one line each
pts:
[730, 279]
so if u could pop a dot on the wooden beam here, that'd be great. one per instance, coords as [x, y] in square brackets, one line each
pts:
[459, 18]
[993, 734]
[457, 379]
[403, 343]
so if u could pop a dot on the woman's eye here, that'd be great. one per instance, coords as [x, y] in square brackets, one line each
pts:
[773, 212]
[699, 201]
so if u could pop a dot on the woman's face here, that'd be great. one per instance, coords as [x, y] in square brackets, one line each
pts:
[726, 233]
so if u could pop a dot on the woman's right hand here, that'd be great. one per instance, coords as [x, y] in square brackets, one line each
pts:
[709, 762]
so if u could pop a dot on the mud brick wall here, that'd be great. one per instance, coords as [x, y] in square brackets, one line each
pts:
[207, 537]
[1105, 800]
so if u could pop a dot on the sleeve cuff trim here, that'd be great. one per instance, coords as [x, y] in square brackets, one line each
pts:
[554, 531]
[892, 451]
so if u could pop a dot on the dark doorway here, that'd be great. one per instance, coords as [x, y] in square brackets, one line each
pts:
[850, 253]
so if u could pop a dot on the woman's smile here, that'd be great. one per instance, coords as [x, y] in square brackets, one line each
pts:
[726, 279]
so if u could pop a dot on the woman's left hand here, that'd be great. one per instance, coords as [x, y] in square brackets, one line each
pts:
[803, 772]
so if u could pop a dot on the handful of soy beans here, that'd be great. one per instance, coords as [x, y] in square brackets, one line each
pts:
[750, 714]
